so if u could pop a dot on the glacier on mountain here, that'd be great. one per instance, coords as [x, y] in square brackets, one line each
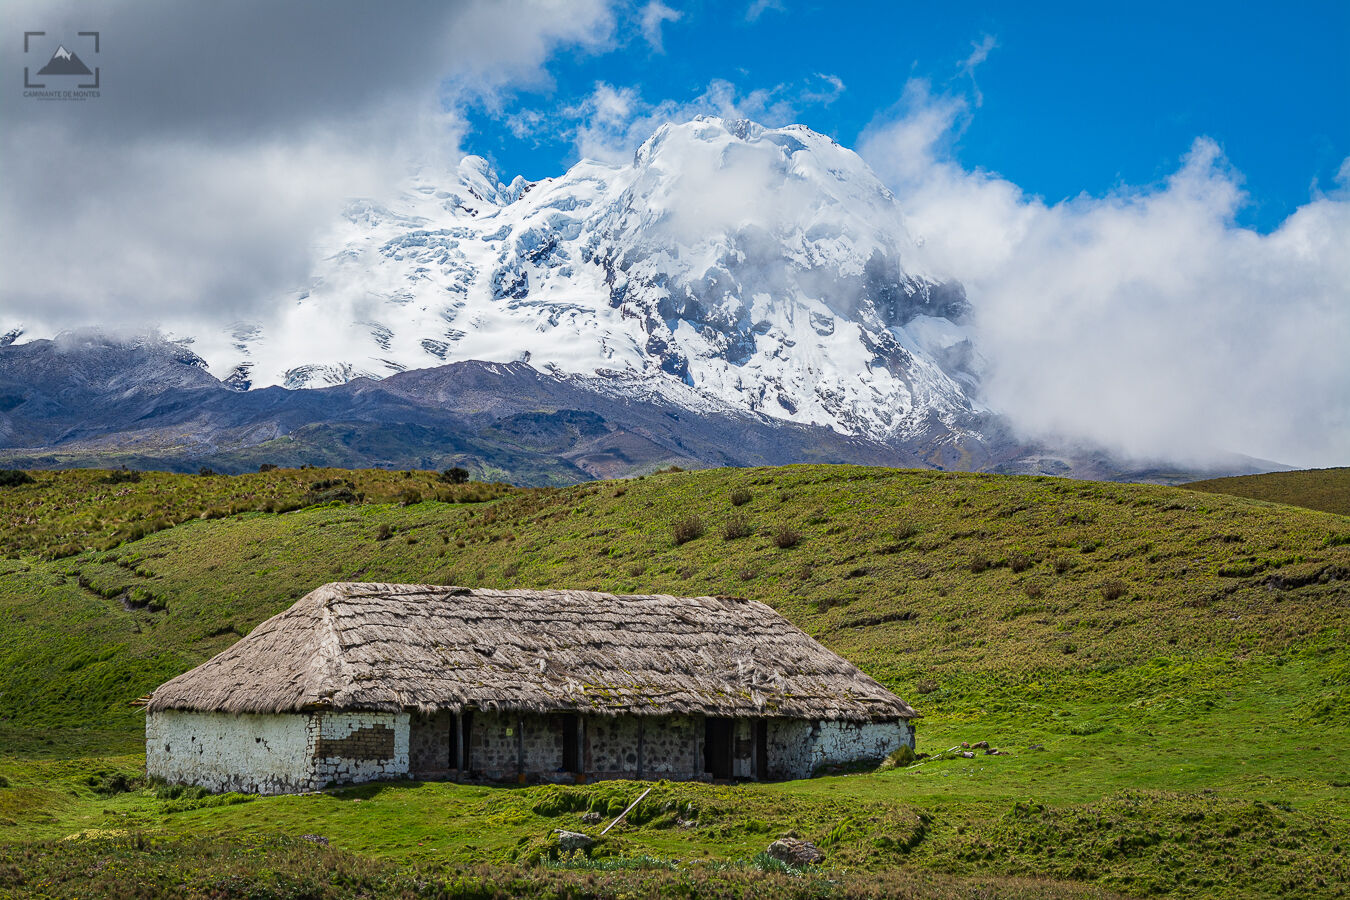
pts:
[729, 265]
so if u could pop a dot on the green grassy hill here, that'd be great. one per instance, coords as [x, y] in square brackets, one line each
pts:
[1324, 489]
[1168, 670]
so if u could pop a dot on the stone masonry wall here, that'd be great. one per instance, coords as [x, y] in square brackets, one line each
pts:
[743, 749]
[790, 742]
[499, 739]
[797, 747]
[610, 746]
[288, 753]
[430, 743]
[671, 746]
[351, 747]
[495, 746]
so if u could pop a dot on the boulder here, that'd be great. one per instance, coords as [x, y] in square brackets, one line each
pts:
[571, 841]
[795, 852]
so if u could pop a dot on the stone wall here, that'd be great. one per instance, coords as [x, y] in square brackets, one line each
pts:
[351, 747]
[265, 754]
[643, 747]
[611, 745]
[286, 753]
[790, 743]
[672, 747]
[797, 748]
[495, 745]
[431, 740]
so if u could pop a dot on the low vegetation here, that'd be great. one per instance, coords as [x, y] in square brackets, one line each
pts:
[56, 514]
[1165, 670]
[1324, 489]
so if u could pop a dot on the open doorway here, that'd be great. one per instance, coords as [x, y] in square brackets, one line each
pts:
[717, 747]
[466, 742]
[569, 743]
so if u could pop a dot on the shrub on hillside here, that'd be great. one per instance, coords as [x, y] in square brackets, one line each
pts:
[122, 476]
[740, 497]
[687, 530]
[785, 536]
[454, 475]
[899, 758]
[108, 784]
[14, 477]
[736, 527]
[1114, 589]
[907, 532]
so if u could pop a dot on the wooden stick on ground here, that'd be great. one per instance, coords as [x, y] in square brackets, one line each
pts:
[625, 812]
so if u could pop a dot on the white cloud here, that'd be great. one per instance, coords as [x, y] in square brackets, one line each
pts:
[979, 53]
[611, 123]
[1145, 320]
[760, 7]
[229, 135]
[828, 88]
[654, 15]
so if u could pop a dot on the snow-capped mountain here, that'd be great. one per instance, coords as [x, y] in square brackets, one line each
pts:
[728, 266]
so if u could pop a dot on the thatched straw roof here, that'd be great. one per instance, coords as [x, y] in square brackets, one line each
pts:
[405, 647]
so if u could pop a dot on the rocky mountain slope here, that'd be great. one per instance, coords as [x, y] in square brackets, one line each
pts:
[87, 400]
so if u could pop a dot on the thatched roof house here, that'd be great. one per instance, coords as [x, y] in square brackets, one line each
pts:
[359, 681]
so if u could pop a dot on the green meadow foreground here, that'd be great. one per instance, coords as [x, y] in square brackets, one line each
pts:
[1167, 671]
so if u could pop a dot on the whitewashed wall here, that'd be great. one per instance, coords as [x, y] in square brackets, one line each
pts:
[845, 742]
[274, 753]
[797, 748]
[265, 754]
[790, 743]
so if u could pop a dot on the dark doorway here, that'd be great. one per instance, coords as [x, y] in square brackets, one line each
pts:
[466, 741]
[569, 741]
[761, 750]
[455, 736]
[717, 735]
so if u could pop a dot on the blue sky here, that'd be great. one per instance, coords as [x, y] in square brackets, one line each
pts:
[1065, 98]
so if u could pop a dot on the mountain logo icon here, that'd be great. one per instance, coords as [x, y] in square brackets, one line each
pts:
[64, 62]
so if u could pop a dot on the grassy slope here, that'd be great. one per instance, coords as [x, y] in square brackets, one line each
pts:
[1324, 489]
[1182, 659]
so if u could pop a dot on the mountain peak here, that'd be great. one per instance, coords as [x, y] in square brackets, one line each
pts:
[731, 264]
